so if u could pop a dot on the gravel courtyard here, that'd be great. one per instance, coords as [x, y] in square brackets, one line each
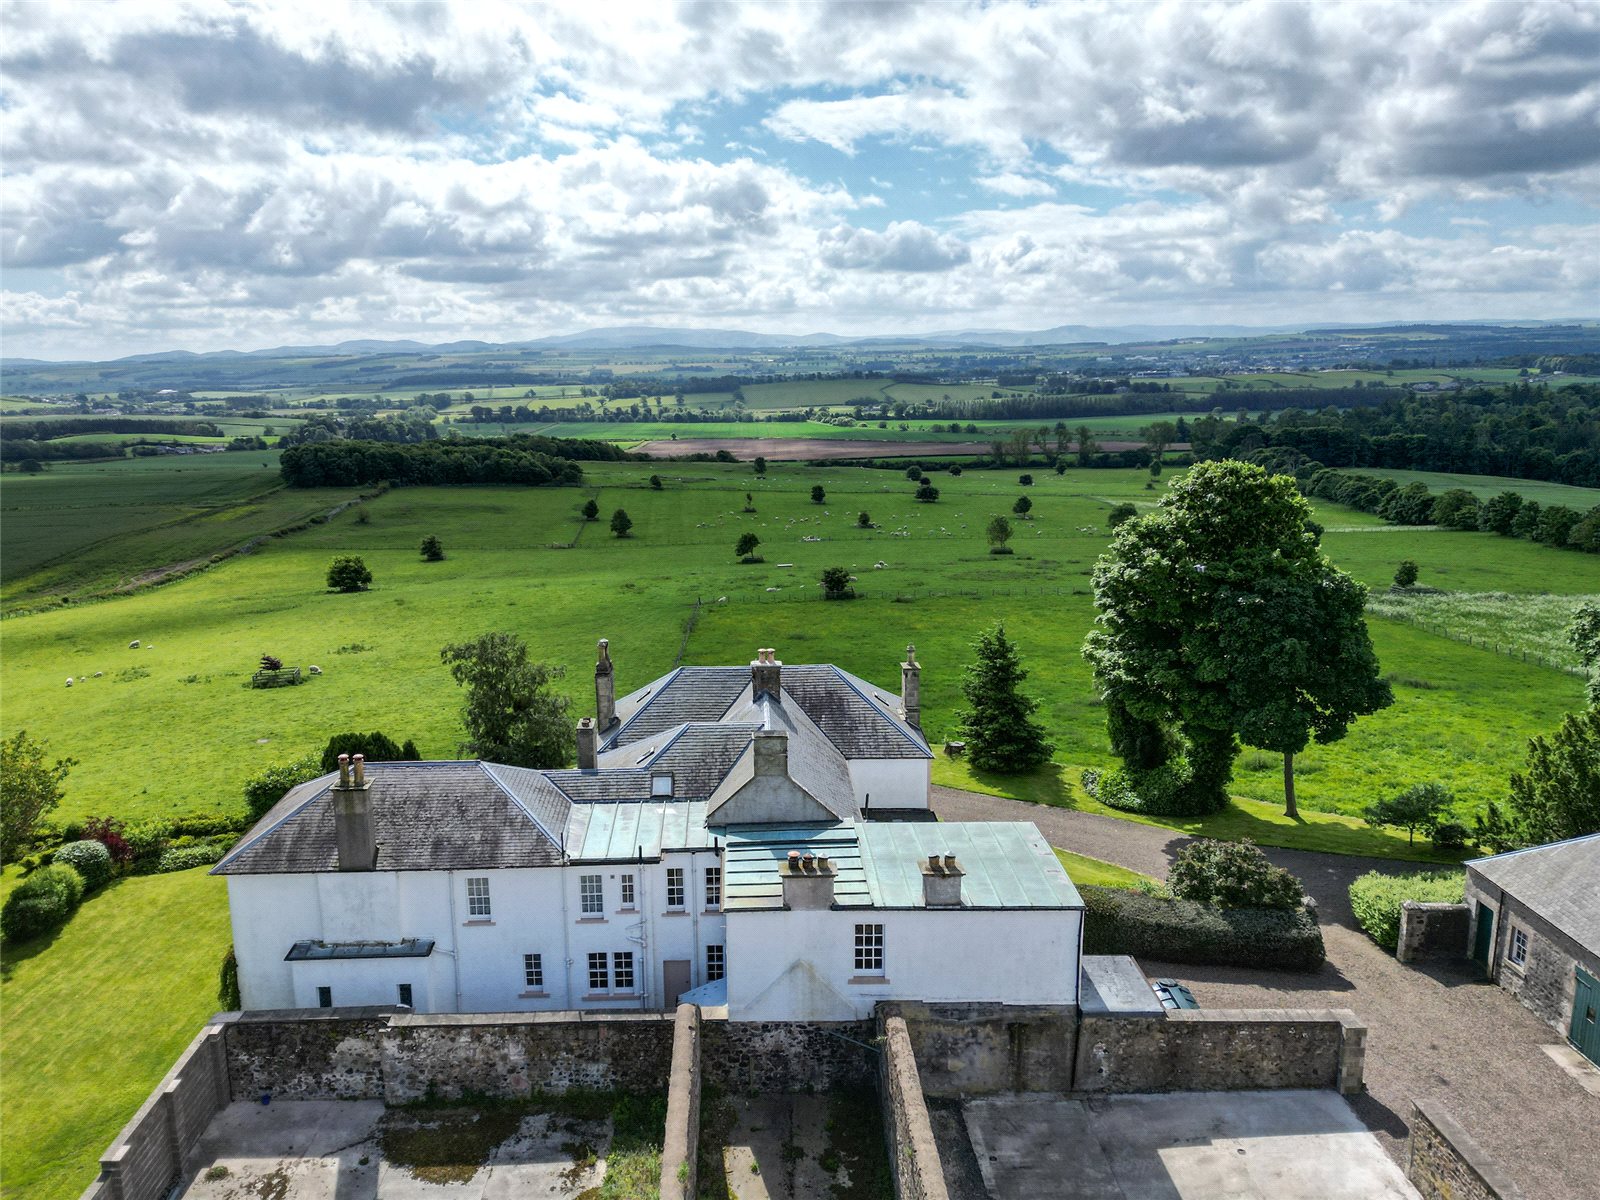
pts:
[1435, 1032]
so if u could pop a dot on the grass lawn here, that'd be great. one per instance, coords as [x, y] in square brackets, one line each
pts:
[1485, 486]
[1083, 869]
[95, 1016]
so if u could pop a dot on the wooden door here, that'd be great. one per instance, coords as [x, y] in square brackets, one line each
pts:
[674, 980]
[1585, 1033]
[1483, 942]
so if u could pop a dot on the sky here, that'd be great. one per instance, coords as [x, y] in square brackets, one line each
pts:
[207, 176]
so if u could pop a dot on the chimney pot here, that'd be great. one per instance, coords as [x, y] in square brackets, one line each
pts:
[766, 672]
[949, 862]
[794, 859]
[344, 770]
[358, 763]
[934, 864]
[911, 688]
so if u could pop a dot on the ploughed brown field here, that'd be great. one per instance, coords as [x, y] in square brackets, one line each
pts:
[785, 449]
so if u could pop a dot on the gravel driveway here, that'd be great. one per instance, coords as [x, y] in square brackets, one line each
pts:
[1434, 1032]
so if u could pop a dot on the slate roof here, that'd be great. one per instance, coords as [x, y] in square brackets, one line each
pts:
[426, 816]
[1560, 882]
[859, 718]
[814, 762]
[697, 756]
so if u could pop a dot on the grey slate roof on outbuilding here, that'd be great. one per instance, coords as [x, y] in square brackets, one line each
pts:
[426, 816]
[1560, 882]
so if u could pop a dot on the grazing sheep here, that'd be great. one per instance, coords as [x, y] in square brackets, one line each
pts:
[69, 680]
[97, 674]
[315, 670]
[133, 645]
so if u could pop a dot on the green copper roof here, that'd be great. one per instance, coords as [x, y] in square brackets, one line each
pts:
[598, 832]
[1006, 864]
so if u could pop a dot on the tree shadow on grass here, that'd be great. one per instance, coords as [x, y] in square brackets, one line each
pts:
[14, 953]
[1048, 784]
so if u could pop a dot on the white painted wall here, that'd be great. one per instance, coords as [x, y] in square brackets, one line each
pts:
[891, 782]
[477, 963]
[790, 966]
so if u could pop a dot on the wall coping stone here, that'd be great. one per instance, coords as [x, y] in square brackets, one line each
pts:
[1466, 1148]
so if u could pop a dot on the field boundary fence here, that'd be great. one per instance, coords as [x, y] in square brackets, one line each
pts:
[1482, 643]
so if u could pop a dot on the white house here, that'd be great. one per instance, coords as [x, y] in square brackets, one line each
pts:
[751, 837]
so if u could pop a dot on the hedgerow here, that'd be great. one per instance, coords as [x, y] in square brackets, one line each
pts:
[1123, 922]
[184, 857]
[1375, 898]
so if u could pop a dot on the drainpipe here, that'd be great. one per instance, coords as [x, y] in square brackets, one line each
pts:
[455, 937]
[566, 930]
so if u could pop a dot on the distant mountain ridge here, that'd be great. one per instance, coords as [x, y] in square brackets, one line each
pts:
[638, 337]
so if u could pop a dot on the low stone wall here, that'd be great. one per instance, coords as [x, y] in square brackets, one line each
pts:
[397, 1056]
[149, 1155]
[751, 1057]
[1221, 1050]
[908, 1133]
[1444, 1163]
[680, 1148]
[980, 1049]
[1432, 930]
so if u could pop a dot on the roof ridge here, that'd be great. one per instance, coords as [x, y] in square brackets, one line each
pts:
[1582, 837]
[850, 682]
[488, 769]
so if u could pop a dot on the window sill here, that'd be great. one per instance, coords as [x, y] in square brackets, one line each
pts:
[710, 912]
[533, 995]
[598, 996]
[591, 920]
[1516, 968]
[676, 912]
[868, 980]
[628, 910]
[478, 921]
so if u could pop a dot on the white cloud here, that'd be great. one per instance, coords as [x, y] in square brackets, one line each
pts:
[208, 173]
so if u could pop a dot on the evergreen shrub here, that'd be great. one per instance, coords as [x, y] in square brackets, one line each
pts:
[89, 859]
[1126, 922]
[42, 902]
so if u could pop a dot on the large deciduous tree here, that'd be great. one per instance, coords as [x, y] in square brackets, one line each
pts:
[1557, 795]
[30, 787]
[1221, 619]
[998, 727]
[510, 714]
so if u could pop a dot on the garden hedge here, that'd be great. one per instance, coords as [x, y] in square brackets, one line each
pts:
[89, 859]
[181, 858]
[41, 902]
[1124, 922]
[1376, 898]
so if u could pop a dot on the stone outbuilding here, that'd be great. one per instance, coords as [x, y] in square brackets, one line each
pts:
[1536, 932]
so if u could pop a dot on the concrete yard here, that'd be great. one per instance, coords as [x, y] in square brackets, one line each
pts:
[1266, 1145]
[336, 1150]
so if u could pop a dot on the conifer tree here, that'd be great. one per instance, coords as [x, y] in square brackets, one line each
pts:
[998, 728]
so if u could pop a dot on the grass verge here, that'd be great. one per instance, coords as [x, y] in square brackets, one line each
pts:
[1082, 869]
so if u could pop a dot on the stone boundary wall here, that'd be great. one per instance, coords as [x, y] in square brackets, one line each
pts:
[1221, 1050]
[907, 1131]
[1444, 1163]
[149, 1155]
[981, 1049]
[751, 1057]
[397, 1056]
[1432, 930]
[680, 1150]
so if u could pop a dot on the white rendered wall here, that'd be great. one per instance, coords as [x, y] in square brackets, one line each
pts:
[793, 966]
[891, 782]
[477, 963]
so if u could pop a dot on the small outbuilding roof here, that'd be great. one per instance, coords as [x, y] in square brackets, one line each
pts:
[1560, 882]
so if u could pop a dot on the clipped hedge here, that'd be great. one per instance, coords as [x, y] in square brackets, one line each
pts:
[1376, 899]
[181, 858]
[1123, 922]
[89, 859]
[41, 902]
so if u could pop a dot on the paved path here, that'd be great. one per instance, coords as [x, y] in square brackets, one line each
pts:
[1433, 1032]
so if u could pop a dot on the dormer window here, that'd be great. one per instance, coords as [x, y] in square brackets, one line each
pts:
[661, 786]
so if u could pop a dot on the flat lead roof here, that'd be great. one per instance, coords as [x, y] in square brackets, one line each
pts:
[410, 948]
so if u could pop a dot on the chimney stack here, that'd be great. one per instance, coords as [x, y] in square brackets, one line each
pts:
[766, 673]
[605, 688]
[941, 881]
[807, 881]
[588, 744]
[352, 816]
[911, 688]
[772, 754]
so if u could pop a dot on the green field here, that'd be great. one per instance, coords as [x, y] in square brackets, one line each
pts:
[1508, 623]
[84, 528]
[1485, 486]
[1465, 723]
